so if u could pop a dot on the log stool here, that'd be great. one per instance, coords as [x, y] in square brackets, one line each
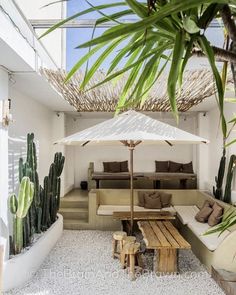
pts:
[129, 239]
[129, 254]
[118, 236]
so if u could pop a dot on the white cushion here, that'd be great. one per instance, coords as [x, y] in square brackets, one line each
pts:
[109, 209]
[186, 214]
[211, 241]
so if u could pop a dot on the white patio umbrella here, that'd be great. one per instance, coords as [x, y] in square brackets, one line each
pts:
[130, 129]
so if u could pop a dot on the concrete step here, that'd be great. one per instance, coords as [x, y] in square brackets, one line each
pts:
[75, 224]
[74, 203]
[74, 213]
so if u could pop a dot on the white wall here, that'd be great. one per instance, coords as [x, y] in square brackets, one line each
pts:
[4, 234]
[144, 156]
[29, 116]
[54, 42]
[215, 146]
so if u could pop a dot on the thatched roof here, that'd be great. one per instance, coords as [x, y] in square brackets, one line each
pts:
[197, 85]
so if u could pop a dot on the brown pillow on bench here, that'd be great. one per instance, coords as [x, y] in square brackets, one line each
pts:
[165, 199]
[162, 166]
[152, 201]
[187, 168]
[204, 213]
[216, 215]
[124, 166]
[175, 167]
[141, 200]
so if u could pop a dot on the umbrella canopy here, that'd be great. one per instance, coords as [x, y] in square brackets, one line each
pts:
[134, 126]
[130, 129]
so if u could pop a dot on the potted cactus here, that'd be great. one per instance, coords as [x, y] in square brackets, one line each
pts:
[19, 208]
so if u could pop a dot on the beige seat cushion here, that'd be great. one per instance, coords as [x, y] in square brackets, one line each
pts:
[109, 209]
[210, 241]
[186, 214]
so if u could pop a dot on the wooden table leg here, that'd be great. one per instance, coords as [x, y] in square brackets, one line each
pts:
[97, 183]
[167, 262]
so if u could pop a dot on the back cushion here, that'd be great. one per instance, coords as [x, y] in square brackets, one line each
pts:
[152, 201]
[124, 166]
[187, 168]
[106, 167]
[162, 166]
[165, 199]
[175, 167]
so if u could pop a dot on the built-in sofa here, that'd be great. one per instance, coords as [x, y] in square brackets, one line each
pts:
[212, 250]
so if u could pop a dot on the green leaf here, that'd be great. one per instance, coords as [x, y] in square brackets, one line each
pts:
[190, 25]
[230, 143]
[208, 15]
[99, 61]
[188, 54]
[175, 69]
[89, 10]
[131, 78]
[127, 68]
[207, 49]
[166, 10]
[78, 65]
[137, 8]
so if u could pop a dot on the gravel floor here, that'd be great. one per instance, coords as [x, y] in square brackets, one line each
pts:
[81, 263]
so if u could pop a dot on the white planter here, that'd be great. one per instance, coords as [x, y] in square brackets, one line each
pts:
[20, 269]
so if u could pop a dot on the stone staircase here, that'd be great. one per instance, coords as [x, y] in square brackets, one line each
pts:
[74, 209]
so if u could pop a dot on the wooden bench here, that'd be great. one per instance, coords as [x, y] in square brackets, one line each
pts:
[163, 237]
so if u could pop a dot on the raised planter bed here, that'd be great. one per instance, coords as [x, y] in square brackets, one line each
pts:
[21, 268]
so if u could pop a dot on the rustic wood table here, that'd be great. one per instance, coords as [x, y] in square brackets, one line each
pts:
[144, 215]
[163, 237]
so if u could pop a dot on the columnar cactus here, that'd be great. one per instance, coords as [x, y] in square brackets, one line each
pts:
[231, 167]
[50, 193]
[219, 179]
[43, 207]
[19, 208]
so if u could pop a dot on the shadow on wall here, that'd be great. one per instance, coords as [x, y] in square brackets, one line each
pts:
[17, 149]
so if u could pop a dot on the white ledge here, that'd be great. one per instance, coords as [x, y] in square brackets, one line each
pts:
[20, 269]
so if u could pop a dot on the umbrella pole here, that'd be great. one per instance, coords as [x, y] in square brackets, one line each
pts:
[131, 148]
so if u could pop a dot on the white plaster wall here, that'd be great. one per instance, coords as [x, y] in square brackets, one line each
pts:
[144, 156]
[53, 42]
[29, 116]
[4, 233]
[215, 146]
[202, 150]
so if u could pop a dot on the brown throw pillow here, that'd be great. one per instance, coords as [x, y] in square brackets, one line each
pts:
[114, 167]
[152, 201]
[162, 166]
[106, 167]
[124, 166]
[141, 201]
[203, 214]
[208, 203]
[187, 168]
[216, 215]
[165, 199]
[175, 167]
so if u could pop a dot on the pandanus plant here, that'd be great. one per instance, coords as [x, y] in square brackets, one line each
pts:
[165, 31]
[19, 207]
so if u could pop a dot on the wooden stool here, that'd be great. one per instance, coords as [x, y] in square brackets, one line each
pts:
[129, 253]
[118, 236]
[129, 239]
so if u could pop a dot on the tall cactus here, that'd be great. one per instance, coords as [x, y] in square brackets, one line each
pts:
[231, 167]
[19, 208]
[219, 179]
[50, 193]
